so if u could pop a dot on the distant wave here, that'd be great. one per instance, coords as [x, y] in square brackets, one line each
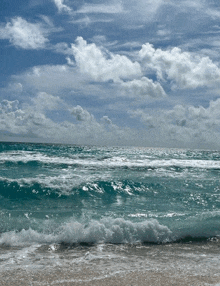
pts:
[54, 187]
[34, 158]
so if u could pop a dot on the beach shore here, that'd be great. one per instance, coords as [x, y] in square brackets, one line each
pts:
[177, 264]
[84, 277]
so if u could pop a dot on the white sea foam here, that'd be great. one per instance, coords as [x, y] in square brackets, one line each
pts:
[106, 230]
[116, 161]
[64, 182]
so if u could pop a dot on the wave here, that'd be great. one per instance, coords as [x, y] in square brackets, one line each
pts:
[59, 187]
[33, 159]
[14, 190]
[106, 230]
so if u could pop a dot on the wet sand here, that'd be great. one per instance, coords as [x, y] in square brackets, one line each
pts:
[195, 264]
[67, 277]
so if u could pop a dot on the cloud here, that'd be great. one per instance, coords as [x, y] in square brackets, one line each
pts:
[11, 117]
[143, 87]
[29, 119]
[92, 70]
[62, 7]
[101, 8]
[50, 78]
[106, 120]
[9, 106]
[131, 12]
[145, 9]
[103, 66]
[45, 101]
[182, 68]
[85, 21]
[23, 34]
[92, 61]
[30, 122]
[60, 80]
[183, 126]
[210, 8]
[81, 114]
[215, 14]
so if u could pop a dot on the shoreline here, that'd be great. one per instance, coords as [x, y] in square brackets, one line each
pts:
[113, 265]
[194, 264]
[86, 276]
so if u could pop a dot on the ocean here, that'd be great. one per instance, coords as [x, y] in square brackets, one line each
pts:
[83, 215]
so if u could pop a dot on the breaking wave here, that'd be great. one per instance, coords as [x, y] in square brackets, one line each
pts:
[106, 230]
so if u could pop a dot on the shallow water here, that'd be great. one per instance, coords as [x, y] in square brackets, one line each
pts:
[194, 263]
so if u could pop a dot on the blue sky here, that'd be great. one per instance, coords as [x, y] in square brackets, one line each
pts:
[142, 73]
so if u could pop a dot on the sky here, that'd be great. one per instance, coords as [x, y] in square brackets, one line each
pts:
[137, 73]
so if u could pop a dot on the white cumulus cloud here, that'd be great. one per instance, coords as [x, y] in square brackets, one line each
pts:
[100, 67]
[182, 68]
[81, 114]
[24, 34]
[143, 87]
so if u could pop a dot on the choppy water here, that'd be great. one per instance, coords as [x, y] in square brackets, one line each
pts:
[54, 196]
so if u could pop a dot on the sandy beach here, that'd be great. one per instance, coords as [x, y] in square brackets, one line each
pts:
[194, 264]
[60, 276]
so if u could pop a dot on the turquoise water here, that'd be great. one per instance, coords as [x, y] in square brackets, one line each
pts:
[84, 194]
